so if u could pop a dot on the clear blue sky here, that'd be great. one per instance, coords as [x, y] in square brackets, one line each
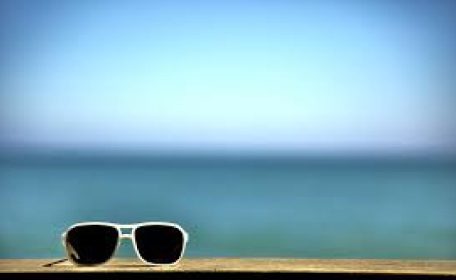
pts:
[311, 76]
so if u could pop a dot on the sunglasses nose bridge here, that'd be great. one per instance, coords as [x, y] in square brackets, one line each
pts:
[126, 236]
[126, 231]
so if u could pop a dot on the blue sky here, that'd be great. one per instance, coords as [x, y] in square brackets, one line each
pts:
[310, 76]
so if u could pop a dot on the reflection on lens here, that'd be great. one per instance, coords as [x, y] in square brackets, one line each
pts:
[159, 244]
[91, 244]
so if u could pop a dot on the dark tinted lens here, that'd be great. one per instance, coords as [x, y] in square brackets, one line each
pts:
[159, 244]
[91, 244]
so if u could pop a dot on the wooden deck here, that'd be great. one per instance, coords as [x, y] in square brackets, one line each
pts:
[227, 268]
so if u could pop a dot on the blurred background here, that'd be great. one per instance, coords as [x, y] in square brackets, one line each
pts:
[314, 129]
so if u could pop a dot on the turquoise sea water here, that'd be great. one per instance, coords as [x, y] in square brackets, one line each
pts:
[255, 207]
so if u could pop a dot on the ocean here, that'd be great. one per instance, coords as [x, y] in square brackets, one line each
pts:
[306, 207]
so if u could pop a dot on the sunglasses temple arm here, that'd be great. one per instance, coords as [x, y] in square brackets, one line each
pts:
[59, 260]
[70, 250]
[55, 262]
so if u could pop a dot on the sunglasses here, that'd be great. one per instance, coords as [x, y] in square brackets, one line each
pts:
[94, 243]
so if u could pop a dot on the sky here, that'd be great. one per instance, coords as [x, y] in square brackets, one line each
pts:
[299, 76]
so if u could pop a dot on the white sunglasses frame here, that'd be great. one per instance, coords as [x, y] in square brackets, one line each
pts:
[130, 236]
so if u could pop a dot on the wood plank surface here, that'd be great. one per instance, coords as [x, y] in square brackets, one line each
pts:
[225, 265]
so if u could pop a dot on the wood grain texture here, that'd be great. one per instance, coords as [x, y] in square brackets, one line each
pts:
[231, 265]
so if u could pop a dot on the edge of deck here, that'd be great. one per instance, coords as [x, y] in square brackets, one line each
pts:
[236, 265]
